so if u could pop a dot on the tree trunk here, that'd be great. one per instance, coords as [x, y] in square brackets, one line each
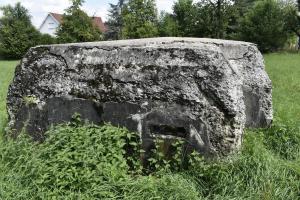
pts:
[298, 24]
[219, 19]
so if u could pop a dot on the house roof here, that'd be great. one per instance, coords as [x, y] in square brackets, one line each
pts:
[56, 16]
[97, 21]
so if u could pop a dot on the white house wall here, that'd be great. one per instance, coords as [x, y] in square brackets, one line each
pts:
[49, 26]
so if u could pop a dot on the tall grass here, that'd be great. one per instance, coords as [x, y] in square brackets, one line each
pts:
[89, 162]
[6, 75]
[284, 71]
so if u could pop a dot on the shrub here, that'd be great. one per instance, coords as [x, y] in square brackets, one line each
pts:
[167, 26]
[85, 161]
[17, 34]
[75, 161]
[46, 39]
[264, 25]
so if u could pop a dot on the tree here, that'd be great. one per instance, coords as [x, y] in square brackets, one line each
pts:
[17, 34]
[167, 25]
[140, 19]
[77, 26]
[298, 24]
[292, 18]
[264, 25]
[217, 19]
[185, 16]
[115, 21]
[205, 18]
[243, 6]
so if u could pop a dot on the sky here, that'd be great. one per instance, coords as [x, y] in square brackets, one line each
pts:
[38, 9]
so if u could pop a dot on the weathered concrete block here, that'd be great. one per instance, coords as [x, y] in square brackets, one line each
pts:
[202, 90]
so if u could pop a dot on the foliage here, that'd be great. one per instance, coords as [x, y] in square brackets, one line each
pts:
[264, 25]
[167, 25]
[216, 20]
[46, 39]
[77, 26]
[243, 6]
[139, 19]
[185, 16]
[115, 21]
[171, 155]
[292, 18]
[234, 19]
[80, 161]
[17, 34]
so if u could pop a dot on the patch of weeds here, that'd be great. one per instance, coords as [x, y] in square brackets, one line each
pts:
[30, 100]
[172, 155]
[283, 140]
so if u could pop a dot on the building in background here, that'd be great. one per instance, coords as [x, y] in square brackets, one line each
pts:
[53, 20]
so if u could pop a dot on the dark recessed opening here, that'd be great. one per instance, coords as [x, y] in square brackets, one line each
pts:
[168, 130]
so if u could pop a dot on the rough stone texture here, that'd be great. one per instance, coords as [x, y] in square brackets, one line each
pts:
[202, 90]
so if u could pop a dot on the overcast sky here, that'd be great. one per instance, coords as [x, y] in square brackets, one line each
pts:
[39, 8]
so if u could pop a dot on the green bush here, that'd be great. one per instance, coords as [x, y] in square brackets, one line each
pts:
[45, 39]
[167, 26]
[84, 161]
[264, 25]
[17, 34]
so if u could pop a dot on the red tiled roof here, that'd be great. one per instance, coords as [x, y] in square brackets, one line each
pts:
[97, 21]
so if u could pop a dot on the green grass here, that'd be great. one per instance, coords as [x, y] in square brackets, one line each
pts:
[284, 71]
[268, 166]
[6, 75]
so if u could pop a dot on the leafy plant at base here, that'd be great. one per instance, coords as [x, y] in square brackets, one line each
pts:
[83, 161]
[172, 155]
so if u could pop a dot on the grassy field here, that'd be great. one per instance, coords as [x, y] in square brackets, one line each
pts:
[284, 71]
[6, 75]
[268, 166]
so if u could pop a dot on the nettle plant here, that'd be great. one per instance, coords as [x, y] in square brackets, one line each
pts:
[77, 158]
[172, 155]
[95, 149]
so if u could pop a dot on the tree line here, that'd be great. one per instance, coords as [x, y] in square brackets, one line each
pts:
[268, 23]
